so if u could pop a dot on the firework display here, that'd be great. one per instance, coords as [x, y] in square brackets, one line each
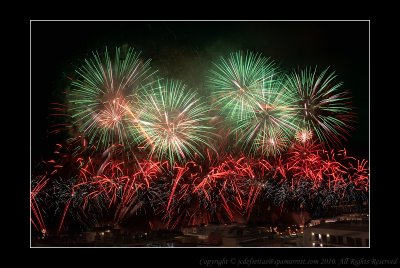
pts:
[152, 146]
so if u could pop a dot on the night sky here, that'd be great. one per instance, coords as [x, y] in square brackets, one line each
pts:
[184, 50]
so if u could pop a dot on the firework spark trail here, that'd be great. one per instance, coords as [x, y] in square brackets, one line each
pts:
[139, 181]
[63, 216]
[333, 170]
[136, 122]
[304, 161]
[34, 205]
[181, 171]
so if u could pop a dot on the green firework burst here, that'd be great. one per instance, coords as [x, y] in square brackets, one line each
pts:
[237, 82]
[100, 94]
[173, 121]
[270, 123]
[322, 105]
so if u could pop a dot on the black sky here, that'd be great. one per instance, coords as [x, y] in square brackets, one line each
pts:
[184, 50]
